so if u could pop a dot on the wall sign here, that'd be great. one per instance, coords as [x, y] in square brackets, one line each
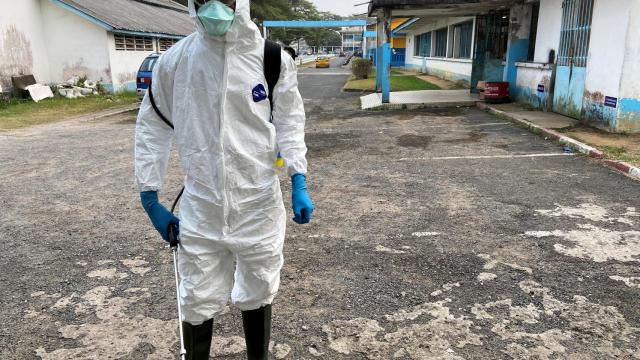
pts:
[610, 101]
[540, 88]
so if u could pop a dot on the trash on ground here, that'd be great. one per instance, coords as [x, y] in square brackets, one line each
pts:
[75, 88]
[39, 92]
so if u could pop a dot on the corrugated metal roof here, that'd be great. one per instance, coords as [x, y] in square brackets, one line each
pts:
[147, 16]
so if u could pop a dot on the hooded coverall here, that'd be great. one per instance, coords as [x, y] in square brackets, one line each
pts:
[232, 208]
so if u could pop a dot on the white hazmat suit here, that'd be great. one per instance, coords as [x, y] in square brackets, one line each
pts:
[232, 208]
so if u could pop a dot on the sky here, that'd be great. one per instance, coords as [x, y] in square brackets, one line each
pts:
[341, 7]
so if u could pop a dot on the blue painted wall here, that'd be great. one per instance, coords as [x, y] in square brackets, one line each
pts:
[517, 51]
[569, 91]
[493, 70]
[535, 98]
[628, 115]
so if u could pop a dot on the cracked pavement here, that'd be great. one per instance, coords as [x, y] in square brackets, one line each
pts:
[438, 234]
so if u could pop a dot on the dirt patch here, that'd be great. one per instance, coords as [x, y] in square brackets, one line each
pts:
[327, 144]
[624, 147]
[473, 137]
[417, 141]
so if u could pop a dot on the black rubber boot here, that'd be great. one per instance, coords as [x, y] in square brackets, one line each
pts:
[197, 340]
[257, 332]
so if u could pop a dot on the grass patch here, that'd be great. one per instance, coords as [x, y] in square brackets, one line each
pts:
[621, 154]
[398, 83]
[16, 114]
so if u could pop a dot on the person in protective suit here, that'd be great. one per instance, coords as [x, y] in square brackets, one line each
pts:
[212, 86]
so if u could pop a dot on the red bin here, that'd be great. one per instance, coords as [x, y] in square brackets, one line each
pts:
[496, 91]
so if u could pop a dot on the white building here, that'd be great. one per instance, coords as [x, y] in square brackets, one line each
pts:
[352, 38]
[104, 40]
[580, 58]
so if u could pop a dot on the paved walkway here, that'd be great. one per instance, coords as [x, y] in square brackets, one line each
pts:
[547, 120]
[423, 98]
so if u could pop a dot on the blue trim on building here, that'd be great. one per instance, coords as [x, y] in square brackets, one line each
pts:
[629, 115]
[314, 23]
[404, 25]
[370, 34]
[83, 15]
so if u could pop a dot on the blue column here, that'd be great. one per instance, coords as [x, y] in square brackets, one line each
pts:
[518, 47]
[517, 51]
[385, 68]
[379, 68]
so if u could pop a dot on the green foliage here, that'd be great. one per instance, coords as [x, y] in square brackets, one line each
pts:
[81, 80]
[18, 113]
[101, 89]
[361, 68]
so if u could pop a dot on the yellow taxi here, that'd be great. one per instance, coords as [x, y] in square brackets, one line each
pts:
[322, 62]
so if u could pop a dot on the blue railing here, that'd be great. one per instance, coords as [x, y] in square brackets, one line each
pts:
[398, 57]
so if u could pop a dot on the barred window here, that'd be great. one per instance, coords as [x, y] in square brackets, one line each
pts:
[166, 44]
[133, 43]
[423, 45]
[462, 34]
[441, 43]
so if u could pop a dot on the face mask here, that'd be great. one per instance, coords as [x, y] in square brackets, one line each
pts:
[216, 17]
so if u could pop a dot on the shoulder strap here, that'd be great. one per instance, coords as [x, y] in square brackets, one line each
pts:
[166, 121]
[155, 107]
[272, 62]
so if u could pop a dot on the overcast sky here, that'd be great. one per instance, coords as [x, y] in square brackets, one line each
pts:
[341, 7]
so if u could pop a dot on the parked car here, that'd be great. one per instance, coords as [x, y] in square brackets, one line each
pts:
[143, 79]
[322, 62]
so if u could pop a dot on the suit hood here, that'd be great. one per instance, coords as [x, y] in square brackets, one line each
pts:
[242, 29]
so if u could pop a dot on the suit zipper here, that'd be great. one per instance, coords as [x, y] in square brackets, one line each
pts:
[223, 103]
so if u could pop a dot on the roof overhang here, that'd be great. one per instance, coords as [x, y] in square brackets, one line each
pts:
[108, 27]
[423, 8]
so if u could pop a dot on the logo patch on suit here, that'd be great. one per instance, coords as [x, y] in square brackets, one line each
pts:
[259, 93]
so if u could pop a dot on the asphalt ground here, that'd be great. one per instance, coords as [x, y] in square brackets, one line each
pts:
[438, 234]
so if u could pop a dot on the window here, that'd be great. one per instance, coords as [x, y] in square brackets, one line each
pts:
[497, 34]
[423, 45]
[166, 44]
[575, 32]
[441, 43]
[462, 34]
[133, 43]
[533, 32]
[148, 64]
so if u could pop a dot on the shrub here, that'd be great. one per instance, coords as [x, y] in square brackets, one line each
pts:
[81, 80]
[361, 68]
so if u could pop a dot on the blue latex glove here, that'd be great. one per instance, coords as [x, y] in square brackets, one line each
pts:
[160, 217]
[302, 205]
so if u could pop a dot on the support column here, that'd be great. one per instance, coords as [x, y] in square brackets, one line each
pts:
[383, 58]
[518, 48]
[386, 72]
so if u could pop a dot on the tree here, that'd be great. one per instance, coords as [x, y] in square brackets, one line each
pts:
[293, 10]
